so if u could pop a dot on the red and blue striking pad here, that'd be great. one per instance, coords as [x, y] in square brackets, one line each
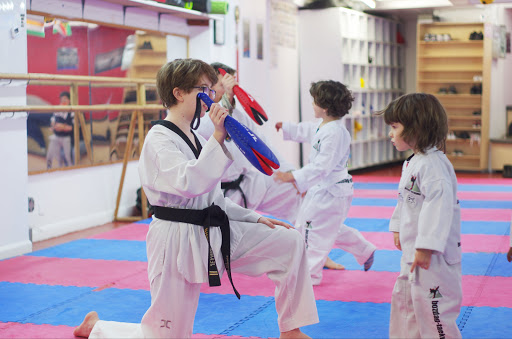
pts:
[249, 104]
[254, 149]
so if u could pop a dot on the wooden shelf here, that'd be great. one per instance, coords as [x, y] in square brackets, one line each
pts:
[466, 129]
[163, 9]
[463, 157]
[455, 63]
[448, 106]
[451, 56]
[448, 81]
[451, 42]
[464, 117]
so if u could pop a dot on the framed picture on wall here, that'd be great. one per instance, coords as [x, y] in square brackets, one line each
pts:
[247, 38]
[219, 33]
[259, 41]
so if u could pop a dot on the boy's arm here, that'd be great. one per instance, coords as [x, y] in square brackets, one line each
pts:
[238, 213]
[164, 168]
[436, 215]
[299, 132]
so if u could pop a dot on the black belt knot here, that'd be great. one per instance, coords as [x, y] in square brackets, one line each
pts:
[234, 185]
[211, 216]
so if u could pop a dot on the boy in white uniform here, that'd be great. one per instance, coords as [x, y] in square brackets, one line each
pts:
[242, 183]
[196, 233]
[427, 295]
[326, 180]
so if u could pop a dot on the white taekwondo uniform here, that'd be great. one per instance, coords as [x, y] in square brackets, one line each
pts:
[329, 194]
[177, 252]
[426, 303]
[261, 192]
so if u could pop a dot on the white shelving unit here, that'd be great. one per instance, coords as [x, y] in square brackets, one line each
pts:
[361, 51]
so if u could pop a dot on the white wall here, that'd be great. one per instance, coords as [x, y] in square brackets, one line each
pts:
[14, 239]
[71, 200]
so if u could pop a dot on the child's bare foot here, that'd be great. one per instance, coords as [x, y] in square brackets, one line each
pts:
[86, 326]
[332, 265]
[294, 334]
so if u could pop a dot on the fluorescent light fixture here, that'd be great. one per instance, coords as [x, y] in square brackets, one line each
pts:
[369, 3]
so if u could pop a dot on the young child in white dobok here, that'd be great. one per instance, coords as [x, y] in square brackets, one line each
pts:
[326, 180]
[196, 233]
[426, 225]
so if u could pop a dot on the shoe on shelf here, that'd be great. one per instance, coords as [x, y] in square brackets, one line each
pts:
[369, 262]
[473, 35]
[442, 90]
[477, 113]
[479, 36]
[146, 45]
[452, 90]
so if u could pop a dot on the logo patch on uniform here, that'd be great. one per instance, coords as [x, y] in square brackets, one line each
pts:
[308, 227]
[412, 186]
[317, 146]
[411, 200]
[434, 293]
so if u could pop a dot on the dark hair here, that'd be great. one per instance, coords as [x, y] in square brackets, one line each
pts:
[65, 94]
[217, 65]
[332, 96]
[423, 117]
[183, 74]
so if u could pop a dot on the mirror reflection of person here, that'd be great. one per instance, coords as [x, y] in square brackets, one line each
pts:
[60, 141]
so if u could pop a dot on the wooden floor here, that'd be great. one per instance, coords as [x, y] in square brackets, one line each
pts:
[390, 170]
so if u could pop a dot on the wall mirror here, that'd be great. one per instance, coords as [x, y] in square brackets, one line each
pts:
[76, 48]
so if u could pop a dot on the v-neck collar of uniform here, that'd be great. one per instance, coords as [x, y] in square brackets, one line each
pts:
[177, 130]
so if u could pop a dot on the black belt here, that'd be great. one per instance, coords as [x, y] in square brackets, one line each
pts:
[212, 216]
[234, 185]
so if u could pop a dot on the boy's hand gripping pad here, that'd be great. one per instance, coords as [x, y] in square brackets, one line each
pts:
[250, 105]
[254, 149]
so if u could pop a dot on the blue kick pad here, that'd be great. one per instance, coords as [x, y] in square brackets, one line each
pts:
[129, 250]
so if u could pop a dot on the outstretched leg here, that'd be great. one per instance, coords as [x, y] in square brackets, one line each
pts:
[86, 326]
[280, 253]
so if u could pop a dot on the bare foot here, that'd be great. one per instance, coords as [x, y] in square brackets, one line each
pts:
[294, 334]
[332, 265]
[86, 326]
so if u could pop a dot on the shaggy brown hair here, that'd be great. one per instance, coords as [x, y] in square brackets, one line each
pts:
[423, 117]
[332, 96]
[183, 74]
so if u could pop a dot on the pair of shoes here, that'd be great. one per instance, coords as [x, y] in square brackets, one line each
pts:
[477, 113]
[457, 152]
[476, 89]
[369, 262]
[146, 45]
[442, 90]
[462, 135]
[452, 90]
[476, 36]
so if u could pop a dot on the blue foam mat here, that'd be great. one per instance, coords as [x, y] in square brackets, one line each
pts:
[504, 204]
[460, 187]
[467, 227]
[127, 250]
[389, 261]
